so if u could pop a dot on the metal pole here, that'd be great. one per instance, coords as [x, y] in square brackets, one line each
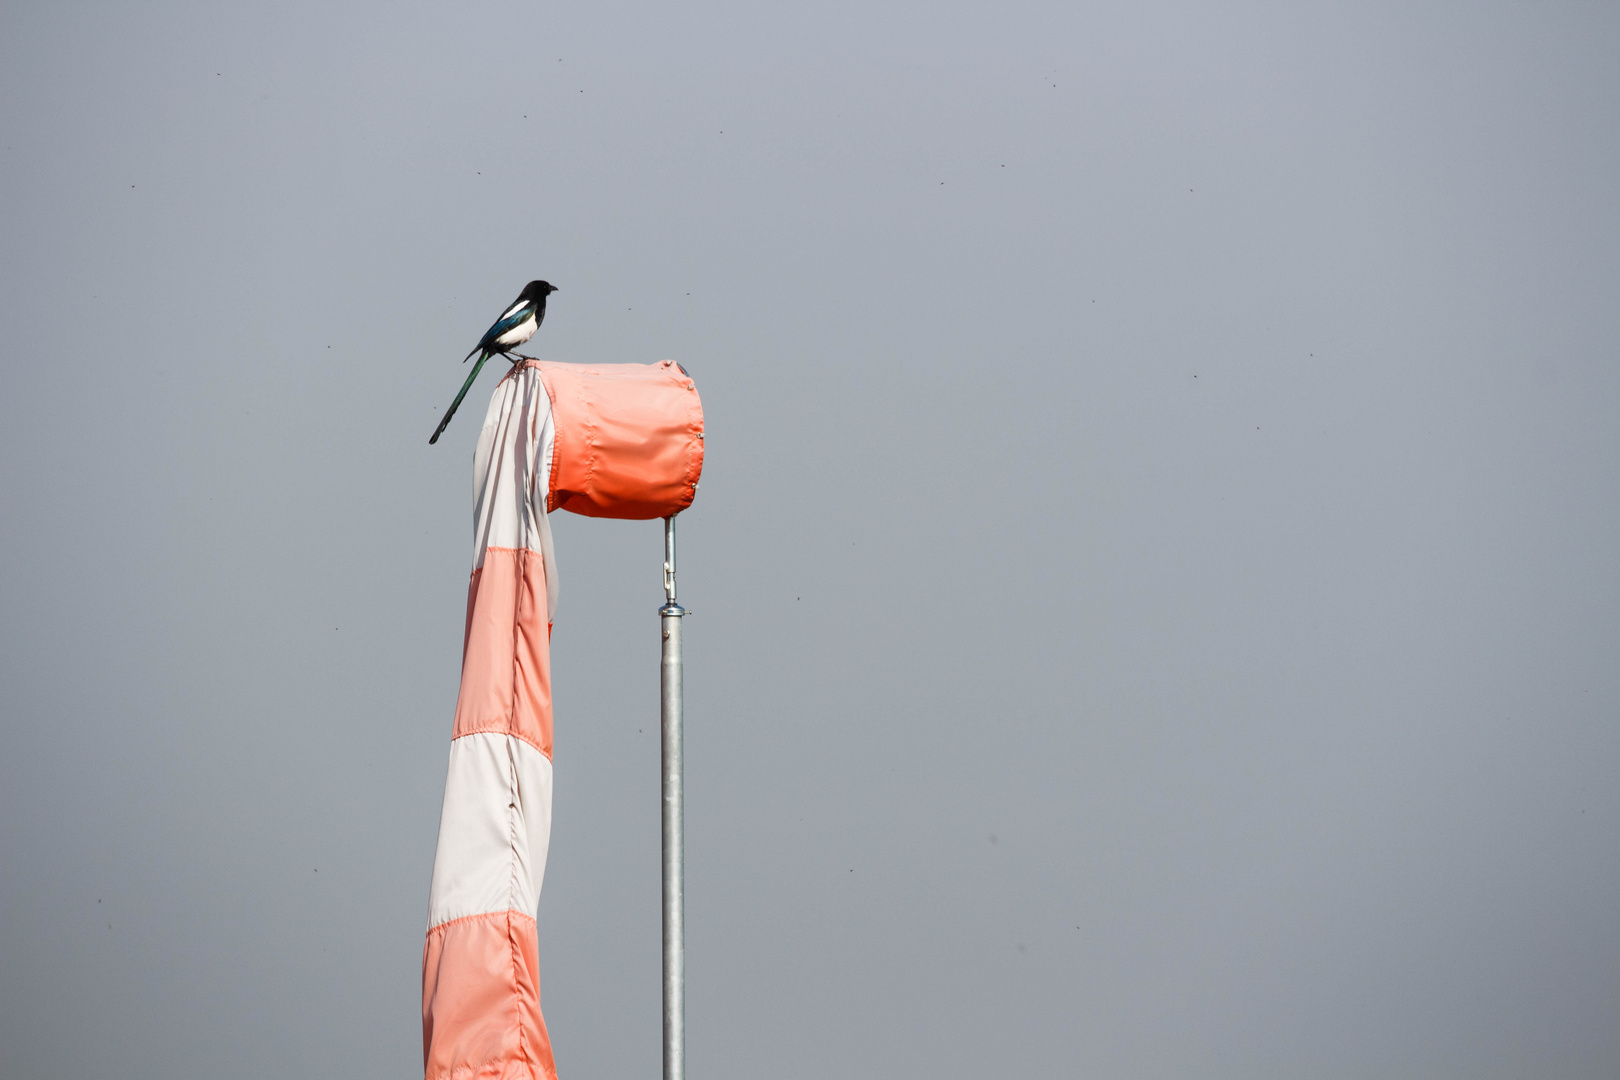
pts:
[674, 914]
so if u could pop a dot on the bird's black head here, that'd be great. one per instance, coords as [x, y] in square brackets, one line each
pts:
[537, 290]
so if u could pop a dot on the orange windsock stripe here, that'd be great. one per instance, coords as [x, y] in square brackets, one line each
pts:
[506, 666]
[629, 439]
[481, 1000]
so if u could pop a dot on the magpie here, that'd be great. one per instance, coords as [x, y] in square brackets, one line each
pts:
[516, 325]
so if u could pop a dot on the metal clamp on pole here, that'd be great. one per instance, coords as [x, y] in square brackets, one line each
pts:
[674, 914]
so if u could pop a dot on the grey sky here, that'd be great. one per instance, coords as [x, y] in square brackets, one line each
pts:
[1157, 606]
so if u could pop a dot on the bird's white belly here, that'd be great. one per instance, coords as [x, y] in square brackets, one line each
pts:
[520, 333]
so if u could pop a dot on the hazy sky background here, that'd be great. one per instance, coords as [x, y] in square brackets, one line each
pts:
[1156, 581]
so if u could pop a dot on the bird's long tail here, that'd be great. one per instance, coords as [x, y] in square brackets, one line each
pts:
[456, 404]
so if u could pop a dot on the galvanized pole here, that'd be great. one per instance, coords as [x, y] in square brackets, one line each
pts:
[674, 914]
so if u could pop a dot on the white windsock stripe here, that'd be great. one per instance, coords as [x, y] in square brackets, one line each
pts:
[513, 473]
[494, 830]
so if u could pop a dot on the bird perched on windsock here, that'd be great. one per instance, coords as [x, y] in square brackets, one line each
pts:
[516, 325]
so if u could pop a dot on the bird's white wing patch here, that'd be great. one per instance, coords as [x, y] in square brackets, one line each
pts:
[509, 312]
[520, 333]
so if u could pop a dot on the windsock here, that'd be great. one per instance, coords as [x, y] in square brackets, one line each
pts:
[614, 441]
